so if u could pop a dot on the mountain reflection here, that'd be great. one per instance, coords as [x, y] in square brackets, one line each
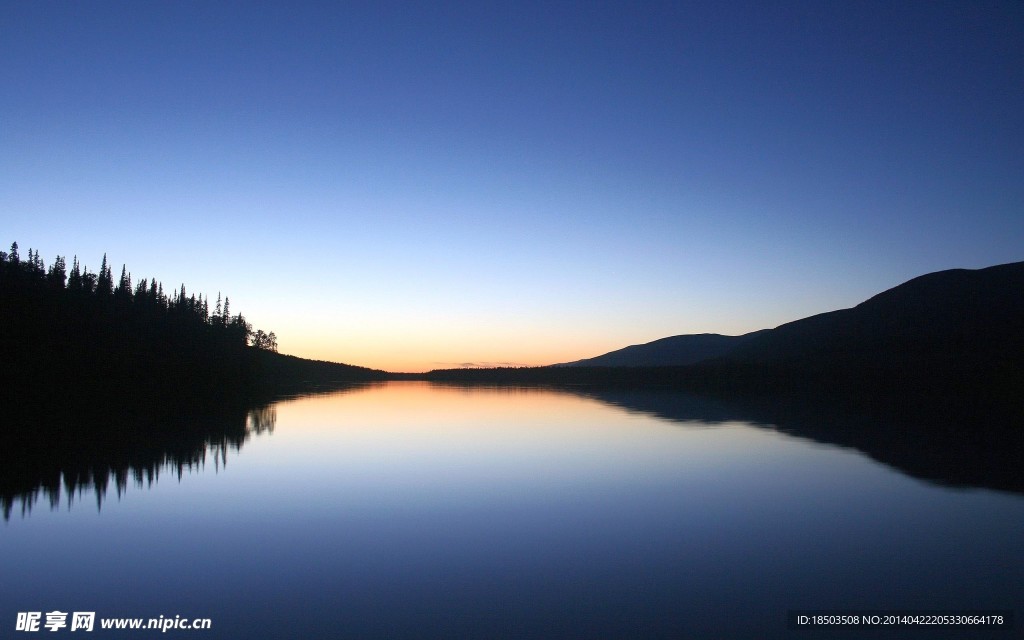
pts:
[44, 455]
[960, 446]
[947, 441]
[49, 458]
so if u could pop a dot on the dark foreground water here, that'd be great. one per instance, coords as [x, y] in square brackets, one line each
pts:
[411, 510]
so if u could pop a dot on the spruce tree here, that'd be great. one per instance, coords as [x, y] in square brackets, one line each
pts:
[57, 276]
[123, 292]
[104, 281]
[75, 279]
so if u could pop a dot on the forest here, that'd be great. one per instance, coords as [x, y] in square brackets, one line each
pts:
[74, 335]
[101, 378]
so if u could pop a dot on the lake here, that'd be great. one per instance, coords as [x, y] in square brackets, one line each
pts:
[411, 509]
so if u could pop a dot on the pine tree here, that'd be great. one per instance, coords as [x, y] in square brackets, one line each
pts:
[123, 292]
[104, 281]
[57, 276]
[75, 279]
[88, 280]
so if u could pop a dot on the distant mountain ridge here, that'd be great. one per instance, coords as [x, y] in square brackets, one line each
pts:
[668, 352]
[960, 318]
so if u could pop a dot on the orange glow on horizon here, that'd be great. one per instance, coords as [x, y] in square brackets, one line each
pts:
[421, 360]
[411, 343]
[413, 367]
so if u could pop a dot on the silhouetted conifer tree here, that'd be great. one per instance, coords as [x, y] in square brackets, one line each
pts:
[88, 281]
[57, 276]
[123, 292]
[104, 280]
[75, 278]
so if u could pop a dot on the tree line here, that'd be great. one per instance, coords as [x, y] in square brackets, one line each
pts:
[79, 333]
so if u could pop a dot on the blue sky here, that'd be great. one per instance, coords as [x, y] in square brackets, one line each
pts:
[416, 185]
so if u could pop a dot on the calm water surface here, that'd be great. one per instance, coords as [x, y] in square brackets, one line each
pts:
[414, 510]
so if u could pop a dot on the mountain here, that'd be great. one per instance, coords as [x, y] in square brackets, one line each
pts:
[667, 352]
[959, 324]
[956, 318]
[943, 352]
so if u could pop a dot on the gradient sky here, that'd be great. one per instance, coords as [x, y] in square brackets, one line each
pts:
[417, 185]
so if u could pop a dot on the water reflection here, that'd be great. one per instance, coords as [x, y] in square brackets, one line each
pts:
[53, 458]
[417, 510]
[65, 458]
[970, 448]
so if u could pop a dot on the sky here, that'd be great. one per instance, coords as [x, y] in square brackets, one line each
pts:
[410, 186]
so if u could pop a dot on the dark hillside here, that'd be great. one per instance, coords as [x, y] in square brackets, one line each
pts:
[283, 373]
[668, 352]
[960, 327]
[951, 341]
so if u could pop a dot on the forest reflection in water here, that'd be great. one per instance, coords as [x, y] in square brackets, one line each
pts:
[64, 458]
